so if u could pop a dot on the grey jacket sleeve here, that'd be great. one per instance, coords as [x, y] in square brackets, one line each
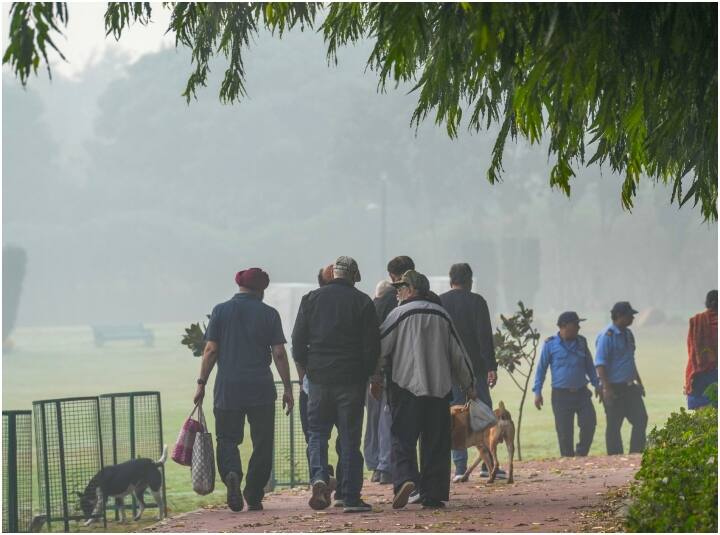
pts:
[460, 365]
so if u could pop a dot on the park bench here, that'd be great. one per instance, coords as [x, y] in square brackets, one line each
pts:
[107, 333]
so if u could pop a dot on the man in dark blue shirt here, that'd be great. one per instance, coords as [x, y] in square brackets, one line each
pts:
[471, 316]
[570, 362]
[622, 389]
[242, 335]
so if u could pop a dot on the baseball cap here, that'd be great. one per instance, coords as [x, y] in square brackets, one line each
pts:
[623, 307]
[415, 280]
[348, 265]
[568, 317]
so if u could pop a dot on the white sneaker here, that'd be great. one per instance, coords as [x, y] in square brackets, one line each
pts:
[458, 479]
[415, 497]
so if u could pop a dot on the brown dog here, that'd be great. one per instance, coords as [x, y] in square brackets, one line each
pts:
[487, 440]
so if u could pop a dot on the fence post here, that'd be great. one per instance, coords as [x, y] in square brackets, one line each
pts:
[12, 476]
[292, 449]
[46, 466]
[63, 475]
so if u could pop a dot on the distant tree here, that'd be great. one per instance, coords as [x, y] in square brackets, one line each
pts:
[13, 273]
[636, 82]
[516, 346]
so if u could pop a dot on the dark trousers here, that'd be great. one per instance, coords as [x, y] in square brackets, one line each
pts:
[460, 457]
[628, 403]
[565, 405]
[342, 406]
[306, 432]
[230, 431]
[427, 419]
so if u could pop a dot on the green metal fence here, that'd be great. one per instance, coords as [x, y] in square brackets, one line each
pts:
[290, 465]
[17, 471]
[69, 453]
[131, 426]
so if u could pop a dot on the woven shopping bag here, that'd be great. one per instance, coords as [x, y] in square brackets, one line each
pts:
[182, 452]
[202, 470]
[481, 416]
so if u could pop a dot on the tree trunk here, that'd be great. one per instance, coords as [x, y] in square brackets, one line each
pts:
[522, 404]
[520, 412]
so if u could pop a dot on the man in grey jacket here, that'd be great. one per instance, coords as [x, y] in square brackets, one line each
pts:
[423, 357]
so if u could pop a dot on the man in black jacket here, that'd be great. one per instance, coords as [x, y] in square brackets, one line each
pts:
[470, 314]
[336, 339]
[377, 445]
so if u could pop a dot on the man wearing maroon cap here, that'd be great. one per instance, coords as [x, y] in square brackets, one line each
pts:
[242, 335]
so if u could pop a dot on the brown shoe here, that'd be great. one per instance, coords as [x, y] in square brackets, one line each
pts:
[401, 498]
[320, 493]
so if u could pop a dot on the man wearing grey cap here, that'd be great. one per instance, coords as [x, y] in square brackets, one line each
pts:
[336, 340]
[423, 357]
[571, 365]
[622, 389]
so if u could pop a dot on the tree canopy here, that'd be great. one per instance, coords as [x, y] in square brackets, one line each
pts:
[633, 86]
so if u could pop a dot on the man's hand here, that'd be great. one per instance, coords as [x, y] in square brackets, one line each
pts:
[376, 390]
[470, 393]
[607, 394]
[492, 378]
[288, 400]
[642, 389]
[598, 393]
[199, 395]
[538, 401]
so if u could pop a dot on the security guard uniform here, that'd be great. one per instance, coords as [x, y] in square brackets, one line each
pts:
[571, 367]
[615, 350]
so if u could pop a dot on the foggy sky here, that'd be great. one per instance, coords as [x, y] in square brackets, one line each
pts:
[134, 206]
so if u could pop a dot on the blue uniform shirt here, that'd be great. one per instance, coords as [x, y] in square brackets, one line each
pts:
[570, 363]
[245, 330]
[615, 349]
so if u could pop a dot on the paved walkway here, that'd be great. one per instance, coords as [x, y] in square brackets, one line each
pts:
[552, 495]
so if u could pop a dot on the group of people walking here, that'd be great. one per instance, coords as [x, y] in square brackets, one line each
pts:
[404, 357]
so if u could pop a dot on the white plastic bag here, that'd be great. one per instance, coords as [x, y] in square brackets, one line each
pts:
[481, 416]
[202, 470]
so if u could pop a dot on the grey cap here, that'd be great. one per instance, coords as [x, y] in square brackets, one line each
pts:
[416, 280]
[348, 266]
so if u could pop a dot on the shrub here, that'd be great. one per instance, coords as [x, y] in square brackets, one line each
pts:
[677, 487]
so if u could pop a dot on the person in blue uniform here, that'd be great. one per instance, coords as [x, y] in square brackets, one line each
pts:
[622, 388]
[571, 366]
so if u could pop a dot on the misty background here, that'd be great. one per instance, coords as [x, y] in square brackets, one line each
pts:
[133, 206]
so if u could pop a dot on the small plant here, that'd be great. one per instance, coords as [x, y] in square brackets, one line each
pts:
[677, 488]
[515, 350]
[711, 392]
[195, 338]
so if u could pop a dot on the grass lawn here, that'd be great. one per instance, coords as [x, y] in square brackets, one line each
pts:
[64, 362]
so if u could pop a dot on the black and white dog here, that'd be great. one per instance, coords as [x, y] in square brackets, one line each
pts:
[131, 477]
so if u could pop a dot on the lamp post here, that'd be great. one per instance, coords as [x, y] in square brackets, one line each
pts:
[383, 218]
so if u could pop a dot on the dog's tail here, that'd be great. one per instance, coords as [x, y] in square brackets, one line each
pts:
[163, 457]
[503, 414]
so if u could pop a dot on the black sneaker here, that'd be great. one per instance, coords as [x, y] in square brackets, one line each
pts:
[357, 507]
[401, 498]
[385, 478]
[252, 506]
[319, 498]
[234, 498]
[501, 474]
[338, 502]
[414, 497]
[427, 503]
